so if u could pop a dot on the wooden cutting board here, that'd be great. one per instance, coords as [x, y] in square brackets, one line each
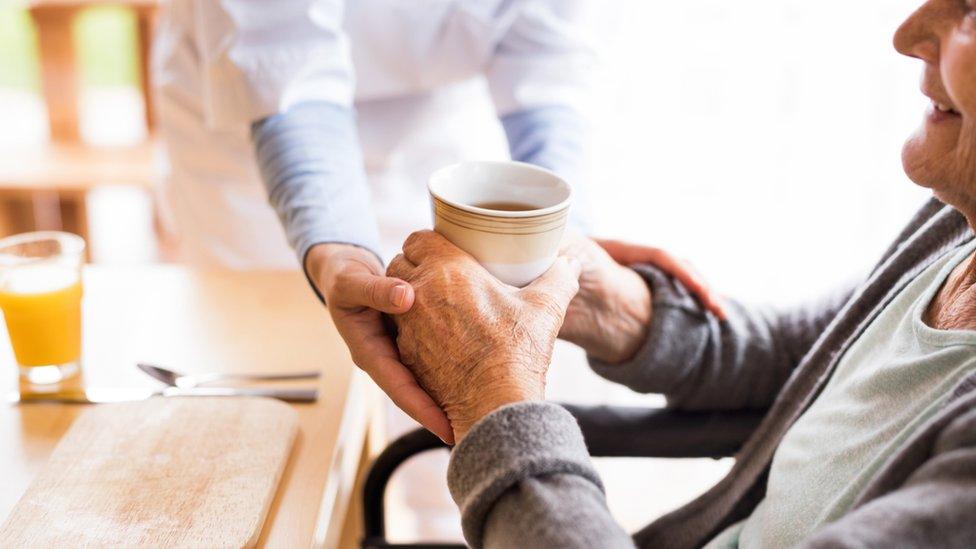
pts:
[165, 472]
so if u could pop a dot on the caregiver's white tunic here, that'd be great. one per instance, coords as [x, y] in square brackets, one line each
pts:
[428, 78]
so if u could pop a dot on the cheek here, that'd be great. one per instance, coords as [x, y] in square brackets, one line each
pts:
[958, 69]
[959, 62]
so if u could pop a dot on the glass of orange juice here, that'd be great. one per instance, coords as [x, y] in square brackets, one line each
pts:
[40, 295]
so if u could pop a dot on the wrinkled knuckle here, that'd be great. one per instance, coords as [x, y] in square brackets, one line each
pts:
[417, 239]
[431, 275]
[397, 266]
[411, 240]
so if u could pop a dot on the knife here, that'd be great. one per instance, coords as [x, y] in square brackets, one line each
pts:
[104, 396]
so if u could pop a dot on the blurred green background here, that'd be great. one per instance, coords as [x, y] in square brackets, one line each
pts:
[105, 41]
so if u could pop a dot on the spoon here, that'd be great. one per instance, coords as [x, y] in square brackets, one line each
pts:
[188, 381]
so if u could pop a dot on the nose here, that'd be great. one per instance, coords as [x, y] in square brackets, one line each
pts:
[916, 37]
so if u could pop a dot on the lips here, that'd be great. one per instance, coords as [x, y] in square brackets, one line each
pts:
[942, 113]
[941, 104]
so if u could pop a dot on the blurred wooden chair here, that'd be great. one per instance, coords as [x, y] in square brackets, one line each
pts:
[46, 188]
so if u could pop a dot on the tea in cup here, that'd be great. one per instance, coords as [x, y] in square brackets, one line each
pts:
[510, 216]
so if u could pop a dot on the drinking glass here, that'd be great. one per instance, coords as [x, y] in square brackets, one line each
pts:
[40, 295]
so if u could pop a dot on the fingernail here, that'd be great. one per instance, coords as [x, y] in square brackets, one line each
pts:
[398, 294]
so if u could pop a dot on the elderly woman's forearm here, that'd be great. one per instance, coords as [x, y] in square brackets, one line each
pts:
[523, 478]
[701, 363]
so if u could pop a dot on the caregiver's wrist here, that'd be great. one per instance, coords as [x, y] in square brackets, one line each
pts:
[324, 261]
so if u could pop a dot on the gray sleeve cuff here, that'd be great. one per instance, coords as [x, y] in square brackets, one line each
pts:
[676, 338]
[510, 445]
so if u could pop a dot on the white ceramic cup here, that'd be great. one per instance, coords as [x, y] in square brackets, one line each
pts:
[515, 246]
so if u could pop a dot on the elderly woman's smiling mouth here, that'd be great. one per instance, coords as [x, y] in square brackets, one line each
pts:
[942, 109]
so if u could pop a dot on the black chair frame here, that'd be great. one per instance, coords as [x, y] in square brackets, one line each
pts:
[609, 431]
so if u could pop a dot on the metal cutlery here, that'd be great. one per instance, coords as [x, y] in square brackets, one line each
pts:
[109, 395]
[189, 381]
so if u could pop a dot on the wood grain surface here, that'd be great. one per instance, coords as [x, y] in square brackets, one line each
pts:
[210, 321]
[187, 472]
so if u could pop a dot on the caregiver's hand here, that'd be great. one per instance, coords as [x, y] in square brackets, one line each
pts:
[474, 343]
[357, 293]
[610, 315]
[626, 253]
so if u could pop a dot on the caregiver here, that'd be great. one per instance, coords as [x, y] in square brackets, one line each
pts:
[429, 83]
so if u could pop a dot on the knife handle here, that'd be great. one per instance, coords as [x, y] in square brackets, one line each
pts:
[287, 395]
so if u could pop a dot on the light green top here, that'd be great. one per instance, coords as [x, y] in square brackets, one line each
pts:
[892, 380]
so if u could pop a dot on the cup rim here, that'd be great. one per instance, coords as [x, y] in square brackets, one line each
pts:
[502, 213]
[72, 244]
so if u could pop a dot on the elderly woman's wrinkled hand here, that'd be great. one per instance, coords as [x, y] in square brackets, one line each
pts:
[474, 343]
[609, 316]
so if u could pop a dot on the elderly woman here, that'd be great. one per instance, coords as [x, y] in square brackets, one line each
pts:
[870, 440]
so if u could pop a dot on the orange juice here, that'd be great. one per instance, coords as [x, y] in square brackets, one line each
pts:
[42, 308]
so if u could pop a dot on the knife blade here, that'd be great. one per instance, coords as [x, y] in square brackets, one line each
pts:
[108, 395]
[186, 381]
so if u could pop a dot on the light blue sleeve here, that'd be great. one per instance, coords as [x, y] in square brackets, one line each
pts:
[554, 138]
[312, 167]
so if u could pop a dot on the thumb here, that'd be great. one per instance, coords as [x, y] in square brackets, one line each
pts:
[559, 284]
[382, 293]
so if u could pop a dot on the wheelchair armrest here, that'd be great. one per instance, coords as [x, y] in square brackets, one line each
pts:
[609, 431]
[617, 431]
[374, 488]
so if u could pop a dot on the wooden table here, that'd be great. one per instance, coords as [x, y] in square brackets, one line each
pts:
[213, 321]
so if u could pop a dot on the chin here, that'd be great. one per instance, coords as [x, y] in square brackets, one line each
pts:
[930, 167]
[914, 161]
[929, 156]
